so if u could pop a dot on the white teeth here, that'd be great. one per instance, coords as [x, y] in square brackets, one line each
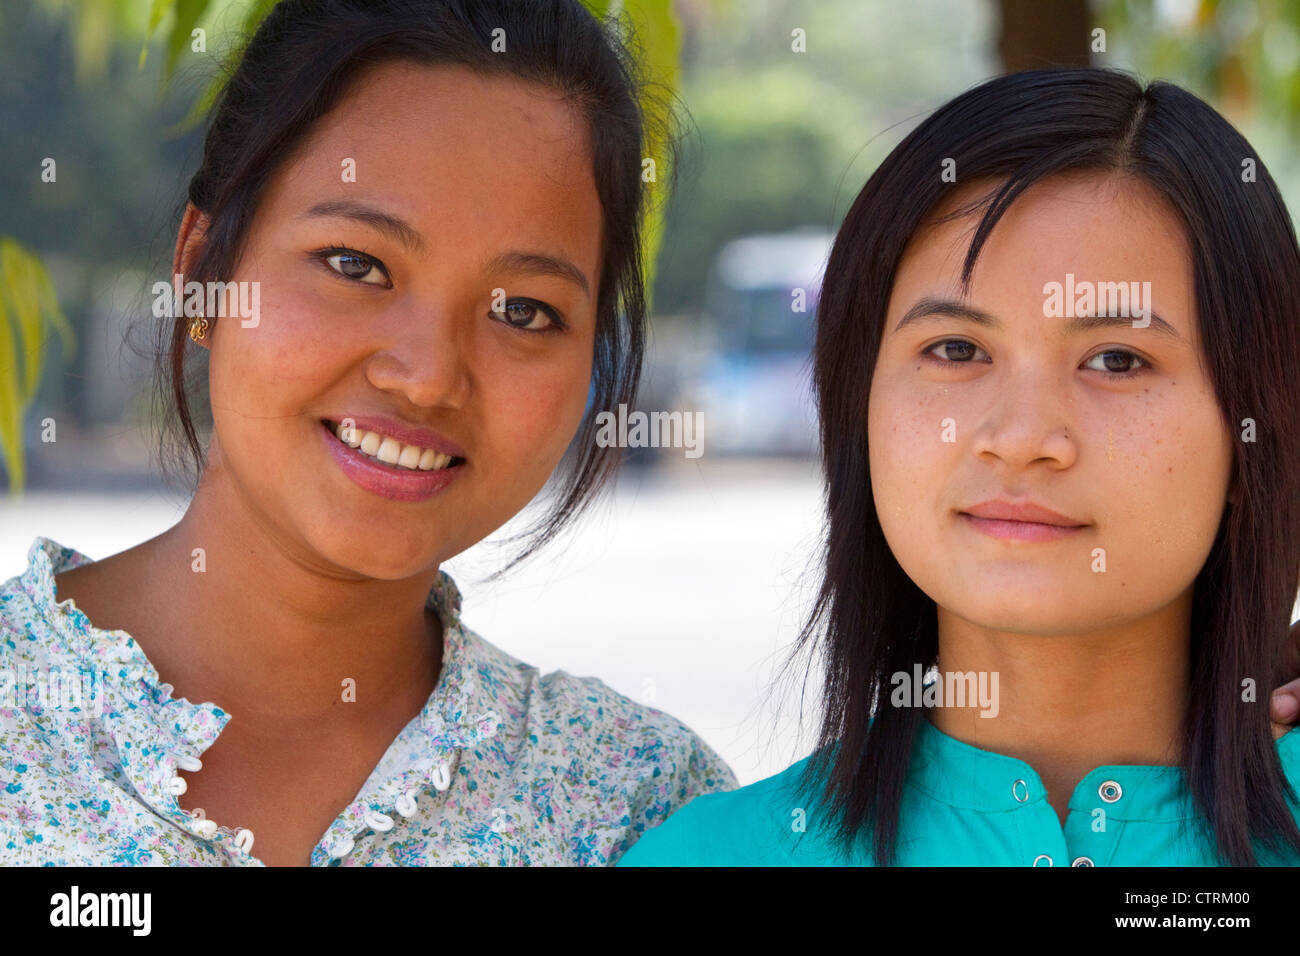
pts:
[391, 451]
[410, 456]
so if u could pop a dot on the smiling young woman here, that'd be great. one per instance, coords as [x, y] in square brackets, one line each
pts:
[445, 242]
[1072, 504]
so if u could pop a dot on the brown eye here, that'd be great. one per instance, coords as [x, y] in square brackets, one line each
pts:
[529, 315]
[353, 265]
[1119, 363]
[521, 313]
[954, 351]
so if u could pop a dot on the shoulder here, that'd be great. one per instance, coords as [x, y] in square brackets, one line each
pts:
[1288, 753]
[587, 718]
[29, 633]
[608, 766]
[596, 718]
[757, 825]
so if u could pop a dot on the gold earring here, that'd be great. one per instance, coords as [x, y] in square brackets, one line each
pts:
[198, 328]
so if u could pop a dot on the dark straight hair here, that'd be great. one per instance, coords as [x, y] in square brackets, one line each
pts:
[870, 620]
[301, 62]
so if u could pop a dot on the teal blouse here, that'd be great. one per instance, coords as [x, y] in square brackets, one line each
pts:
[962, 806]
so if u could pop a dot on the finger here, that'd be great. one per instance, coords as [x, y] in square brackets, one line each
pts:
[1285, 705]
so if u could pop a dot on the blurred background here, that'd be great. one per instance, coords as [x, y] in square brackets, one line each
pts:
[686, 586]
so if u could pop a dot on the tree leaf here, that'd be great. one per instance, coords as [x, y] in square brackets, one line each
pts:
[28, 302]
[188, 13]
[24, 309]
[11, 409]
[156, 13]
[658, 38]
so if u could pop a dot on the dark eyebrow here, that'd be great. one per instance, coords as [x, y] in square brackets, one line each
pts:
[390, 225]
[933, 308]
[538, 264]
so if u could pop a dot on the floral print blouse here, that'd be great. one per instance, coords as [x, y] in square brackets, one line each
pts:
[503, 765]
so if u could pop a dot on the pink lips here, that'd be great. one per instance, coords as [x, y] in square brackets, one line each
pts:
[399, 484]
[1021, 521]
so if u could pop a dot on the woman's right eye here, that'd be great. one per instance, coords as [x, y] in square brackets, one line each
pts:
[351, 265]
[956, 351]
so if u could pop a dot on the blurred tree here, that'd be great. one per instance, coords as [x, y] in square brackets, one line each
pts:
[794, 103]
[1241, 55]
[1034, 33]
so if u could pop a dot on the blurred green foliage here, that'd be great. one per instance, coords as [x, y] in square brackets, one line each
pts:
[785, 139]
[28, 304]
[1243, 56]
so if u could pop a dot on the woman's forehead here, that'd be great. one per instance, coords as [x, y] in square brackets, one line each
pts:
[1083, 216]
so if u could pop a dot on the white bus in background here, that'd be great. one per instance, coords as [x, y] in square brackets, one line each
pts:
[753, 380]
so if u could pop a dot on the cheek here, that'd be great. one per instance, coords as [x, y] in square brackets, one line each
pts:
[534, 407]
[908, 461]
[262, 378]
[908, 456]
[288, 351]
[1169, 473]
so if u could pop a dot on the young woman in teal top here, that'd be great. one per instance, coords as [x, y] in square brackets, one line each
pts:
[1087, 503]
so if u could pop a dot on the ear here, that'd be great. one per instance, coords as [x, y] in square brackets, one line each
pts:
[189, 241]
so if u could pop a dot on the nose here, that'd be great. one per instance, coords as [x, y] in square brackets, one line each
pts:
[425, 355]
[1028, 422]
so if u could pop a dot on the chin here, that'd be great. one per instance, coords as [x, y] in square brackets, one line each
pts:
[1024, 610]
[371, 553]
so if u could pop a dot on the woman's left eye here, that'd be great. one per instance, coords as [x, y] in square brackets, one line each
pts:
[349, 264]
[1123, 357]
[529, 315]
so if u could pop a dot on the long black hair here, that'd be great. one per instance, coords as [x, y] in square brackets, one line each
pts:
[870, 620]
[300, 63]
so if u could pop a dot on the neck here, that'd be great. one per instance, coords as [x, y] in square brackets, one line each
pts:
[1069, 703]
[277, 637]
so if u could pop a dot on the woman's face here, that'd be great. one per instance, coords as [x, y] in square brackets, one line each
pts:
[1026, 407]
[445, 327]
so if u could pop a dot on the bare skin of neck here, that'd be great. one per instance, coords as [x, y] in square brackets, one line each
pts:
[1068, 704]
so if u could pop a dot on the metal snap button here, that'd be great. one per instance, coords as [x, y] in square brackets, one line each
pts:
[1082, 861]
[1018, 788]
[1043, 856]
[1110, 791]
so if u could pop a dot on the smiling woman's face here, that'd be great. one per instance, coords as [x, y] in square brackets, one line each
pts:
[1021, 408]
[493, 176]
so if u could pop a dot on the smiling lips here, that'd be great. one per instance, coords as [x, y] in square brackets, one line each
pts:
[397, 482]
[390, 450]
[1021, 521]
